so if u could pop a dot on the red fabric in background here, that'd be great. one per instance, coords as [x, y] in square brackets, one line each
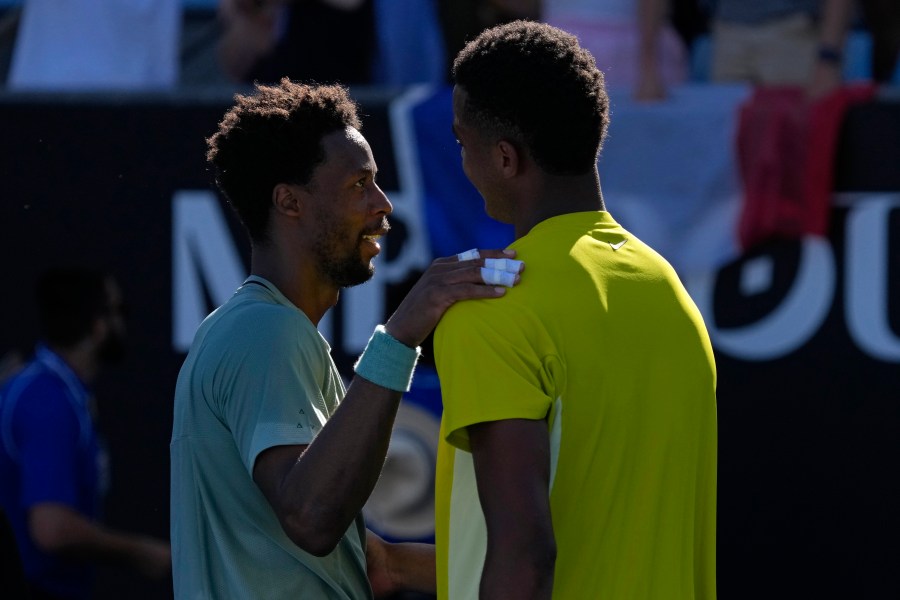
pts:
[786, 146]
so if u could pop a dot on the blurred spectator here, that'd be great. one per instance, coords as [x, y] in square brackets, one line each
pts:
[883, 22]
[410, 43]
[632, 41]
[781, 42]
[53, 469]
[108, 44]
[325, 41]
[690, 18]
[462, 20]
[792, 51]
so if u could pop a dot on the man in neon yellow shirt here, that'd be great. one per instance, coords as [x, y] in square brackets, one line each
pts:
[578, 442]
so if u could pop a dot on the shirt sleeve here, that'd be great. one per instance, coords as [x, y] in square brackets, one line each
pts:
[276, 396]
[495, 361]
[47, 431]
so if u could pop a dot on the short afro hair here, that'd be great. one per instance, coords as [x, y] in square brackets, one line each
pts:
[533, 83]
[272, 136]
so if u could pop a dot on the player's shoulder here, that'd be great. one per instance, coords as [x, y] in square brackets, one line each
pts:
[259, 314]
[489, 317]
[252, 326]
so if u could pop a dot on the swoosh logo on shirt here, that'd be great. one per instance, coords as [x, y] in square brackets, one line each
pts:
[619, 245]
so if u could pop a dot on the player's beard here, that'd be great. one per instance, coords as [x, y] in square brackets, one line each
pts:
[339, 261]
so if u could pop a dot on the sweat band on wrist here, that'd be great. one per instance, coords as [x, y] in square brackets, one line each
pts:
[387, 362]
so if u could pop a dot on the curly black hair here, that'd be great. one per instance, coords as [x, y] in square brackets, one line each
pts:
[533, 83]
[272, 136]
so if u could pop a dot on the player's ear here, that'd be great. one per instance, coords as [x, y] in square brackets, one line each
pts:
[287, 200]
[508, 158]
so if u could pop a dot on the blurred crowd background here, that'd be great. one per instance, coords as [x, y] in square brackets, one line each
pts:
[644, 44]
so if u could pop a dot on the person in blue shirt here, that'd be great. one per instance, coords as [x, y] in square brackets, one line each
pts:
[53, 468]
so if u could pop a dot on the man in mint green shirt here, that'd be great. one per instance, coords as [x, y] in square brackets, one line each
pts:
[272, 459]
[281, 370]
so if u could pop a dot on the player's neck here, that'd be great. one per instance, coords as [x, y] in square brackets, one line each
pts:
[551, 196]
[296, 277]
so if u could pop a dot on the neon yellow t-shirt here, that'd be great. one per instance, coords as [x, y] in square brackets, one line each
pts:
[601, 340]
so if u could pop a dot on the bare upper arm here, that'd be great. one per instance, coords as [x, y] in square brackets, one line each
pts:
[512, 468]
[270, 469]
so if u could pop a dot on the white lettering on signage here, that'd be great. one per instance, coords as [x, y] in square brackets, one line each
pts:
[806, 306]
[866, 264]
[792, 323]
[203, 252]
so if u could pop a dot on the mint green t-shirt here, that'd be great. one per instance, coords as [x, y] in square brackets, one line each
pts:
[602, 342]
[258, 375]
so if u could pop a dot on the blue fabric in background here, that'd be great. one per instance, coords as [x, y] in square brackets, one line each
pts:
[669, 173]
[410, 43]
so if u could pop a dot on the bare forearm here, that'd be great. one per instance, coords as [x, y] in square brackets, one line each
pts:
[827, 73]
[413, 567]
[522, 572]
[521, 553]
[59, 529]
[327, 487]
[835, 22]
[512, 469]
[248, 33]
[650, 14]
[234, 59]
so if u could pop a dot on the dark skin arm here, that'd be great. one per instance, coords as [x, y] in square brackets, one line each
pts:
[318, 490]
[835, 21]
[651, 16]
[60, 529]
[512, 469]
[512, 463]
[399, 567]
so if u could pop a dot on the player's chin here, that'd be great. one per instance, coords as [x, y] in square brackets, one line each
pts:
[367, 267]
[367, 260]
[356, 277]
